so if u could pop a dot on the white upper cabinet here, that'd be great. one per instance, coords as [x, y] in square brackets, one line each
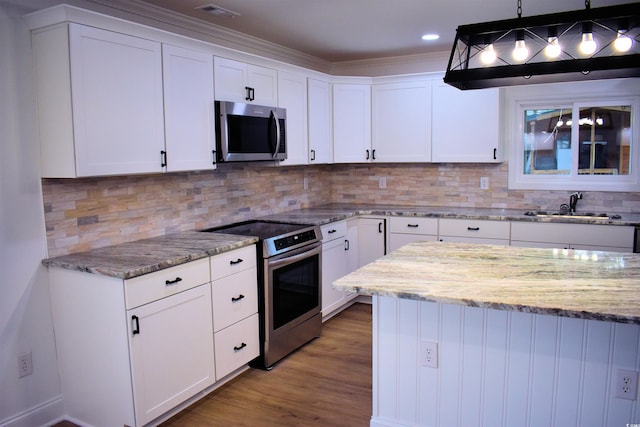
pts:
[401, 121]
[241, 82]
[465, 125]
[352, 123]
[100, 102]
[188, 109]
[319, 121]
[292, 95]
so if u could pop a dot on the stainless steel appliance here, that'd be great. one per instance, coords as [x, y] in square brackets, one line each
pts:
[248, 132]
[289, 281]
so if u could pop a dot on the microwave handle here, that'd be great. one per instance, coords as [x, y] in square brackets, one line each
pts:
[275, 118]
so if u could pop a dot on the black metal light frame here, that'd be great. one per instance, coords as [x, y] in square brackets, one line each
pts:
[465, 70]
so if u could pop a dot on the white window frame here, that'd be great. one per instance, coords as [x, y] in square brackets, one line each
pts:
[571, 95]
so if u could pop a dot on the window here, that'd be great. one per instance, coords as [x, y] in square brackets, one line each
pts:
[574, 142]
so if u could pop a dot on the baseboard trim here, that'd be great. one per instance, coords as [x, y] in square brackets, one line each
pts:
[44, 414]
[377, 422]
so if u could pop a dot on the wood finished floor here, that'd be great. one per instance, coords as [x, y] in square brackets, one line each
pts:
[325, 383]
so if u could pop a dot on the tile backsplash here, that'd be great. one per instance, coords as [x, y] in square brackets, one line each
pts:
[83, 214]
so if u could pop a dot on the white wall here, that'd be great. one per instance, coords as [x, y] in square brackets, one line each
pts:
[25, 314]
[498, 368]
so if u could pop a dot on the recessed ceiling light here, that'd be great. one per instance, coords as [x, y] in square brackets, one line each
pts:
[218, 11]
[430, 37]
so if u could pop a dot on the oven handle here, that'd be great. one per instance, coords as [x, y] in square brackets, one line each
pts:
[294, 256]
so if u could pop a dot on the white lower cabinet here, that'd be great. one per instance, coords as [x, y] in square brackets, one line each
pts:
[404, 230]
[129, 351]
[334, 265]
[235, 309]
[371, 239]
[473, 231]
[611, 238]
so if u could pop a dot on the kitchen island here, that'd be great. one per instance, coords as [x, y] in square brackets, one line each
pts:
[522, 336]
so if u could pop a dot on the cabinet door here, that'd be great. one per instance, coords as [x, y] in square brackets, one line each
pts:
[401, 121]
[230, 79]
[334, 266]
[465, 125]
[352, 244]
[117, 102]
[264, 82]
[319, 110]
[352, 123]
[188, 109]
[292, 95]
[371, 239]
[171, 344]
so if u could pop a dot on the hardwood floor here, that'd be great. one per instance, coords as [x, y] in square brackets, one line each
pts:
[325, 383]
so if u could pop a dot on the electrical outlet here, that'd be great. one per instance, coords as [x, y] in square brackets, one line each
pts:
[626, 385]
[429, 354]
[25, 365]
[484, 182]
[382, 182]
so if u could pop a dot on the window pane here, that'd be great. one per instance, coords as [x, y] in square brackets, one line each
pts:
[605, 141]
[547, 141]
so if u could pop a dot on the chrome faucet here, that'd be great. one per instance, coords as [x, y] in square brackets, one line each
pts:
[573, 201]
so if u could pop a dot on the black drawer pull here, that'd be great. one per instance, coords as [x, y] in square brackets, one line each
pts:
[473, 228]
[240, 347]
[331, 231]
[173, 282]
[238, 261]
[238, 298]
[413, 225]
[346, 245]
[135, 321]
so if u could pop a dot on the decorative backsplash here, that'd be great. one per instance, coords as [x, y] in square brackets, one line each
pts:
[83, 214]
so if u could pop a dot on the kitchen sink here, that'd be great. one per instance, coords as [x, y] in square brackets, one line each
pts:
[573, 215]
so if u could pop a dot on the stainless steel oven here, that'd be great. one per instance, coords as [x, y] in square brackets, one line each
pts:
[289, 285]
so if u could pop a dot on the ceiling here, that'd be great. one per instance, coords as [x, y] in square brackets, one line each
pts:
[346, 30]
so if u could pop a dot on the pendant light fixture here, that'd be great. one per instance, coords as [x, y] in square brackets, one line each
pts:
[588, 44]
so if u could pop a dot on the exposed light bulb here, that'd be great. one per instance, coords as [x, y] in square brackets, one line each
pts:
[520, 52]
[622, 42]
[588, 45]
[553, 49]
[488, 55]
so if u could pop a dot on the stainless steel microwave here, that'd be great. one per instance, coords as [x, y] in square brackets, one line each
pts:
[247, 132]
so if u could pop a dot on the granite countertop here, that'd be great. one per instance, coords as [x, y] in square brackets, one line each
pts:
[133, 259]
[325, 214]
[572, 283]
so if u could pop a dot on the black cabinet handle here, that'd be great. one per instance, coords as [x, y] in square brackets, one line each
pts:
[331, 231]
[213, 152]
[346, 245]
[495, 154]
[250, 93]
[379, 227]
[163, 158]
[238, 298]
[367, 158]
[473, 228]
[135, 321]
[373, 154]
[313, 155]
[413, 225]
[238, 261]
[173, 282]
[240, 347]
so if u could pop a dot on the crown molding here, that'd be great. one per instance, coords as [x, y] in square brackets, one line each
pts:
[153, 16]
[395, 65]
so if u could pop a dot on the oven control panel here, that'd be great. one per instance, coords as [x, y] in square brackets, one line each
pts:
[295, 239]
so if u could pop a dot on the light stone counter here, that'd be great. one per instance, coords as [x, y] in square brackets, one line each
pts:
[133, 259]
[571, 283]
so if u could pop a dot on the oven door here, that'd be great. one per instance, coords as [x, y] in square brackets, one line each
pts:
[292, 300]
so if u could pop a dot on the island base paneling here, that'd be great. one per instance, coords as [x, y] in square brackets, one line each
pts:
[498, 368]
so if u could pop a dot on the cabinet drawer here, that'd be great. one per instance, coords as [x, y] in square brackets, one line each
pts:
[474, 228]
[333, 231]
[159, 284]
[235, 297]
[413, 225]
[236, 345]
[574, 234]
[233, 261]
